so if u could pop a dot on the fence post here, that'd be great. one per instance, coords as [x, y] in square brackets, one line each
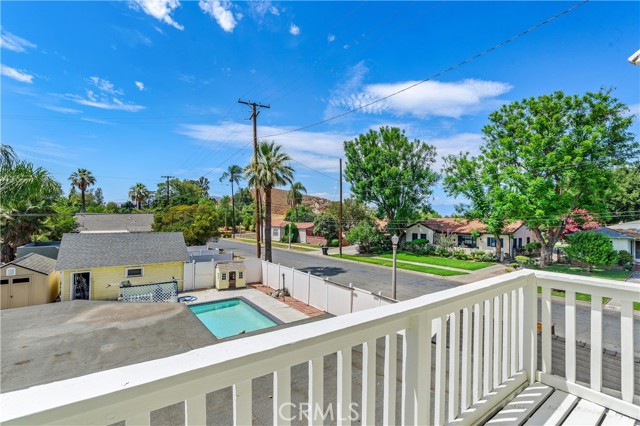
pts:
[308, 287]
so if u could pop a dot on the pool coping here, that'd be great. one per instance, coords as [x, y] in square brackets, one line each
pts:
[273, 318]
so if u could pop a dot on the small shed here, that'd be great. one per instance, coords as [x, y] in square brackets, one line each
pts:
[230, 275]
[28, 280]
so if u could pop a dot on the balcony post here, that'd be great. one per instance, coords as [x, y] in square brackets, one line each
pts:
[530, 327]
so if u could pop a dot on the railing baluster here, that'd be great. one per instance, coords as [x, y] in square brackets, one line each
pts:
[344, 387]
[390, 365]
[515, 330]
[195, 411]
[529, 339]
[416, 372]
[369, 382]
[626, 352]
[142, 419]
[466, 393]
[477, 351]
[316, 386]
[506, 336]
[497, 341]
[488, 347]
[596, 342]
[545, 314]
[454, 365]
[570, 335]
[440, 415]
[242, 410]
[282, 397]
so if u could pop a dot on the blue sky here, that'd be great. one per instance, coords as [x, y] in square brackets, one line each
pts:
[134, 90]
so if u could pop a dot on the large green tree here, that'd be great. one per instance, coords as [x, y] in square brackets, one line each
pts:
[552, 154]
[271, 170]
[468, 176]
[387, 169]
[353, 212]
[28, 194]
[82, 179]
[204, 186]
[139, 193]
[197, 222]
[233, 174]
[625, 198]
[294, 196]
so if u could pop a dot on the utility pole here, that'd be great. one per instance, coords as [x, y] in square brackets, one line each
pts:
[168, 196]
[254, 116]
[340, 215]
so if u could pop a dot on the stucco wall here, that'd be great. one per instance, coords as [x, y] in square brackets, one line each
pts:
[419, 229]
[621, 244]
[105, 281]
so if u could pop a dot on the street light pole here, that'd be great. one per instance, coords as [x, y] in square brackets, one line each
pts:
[394, 241]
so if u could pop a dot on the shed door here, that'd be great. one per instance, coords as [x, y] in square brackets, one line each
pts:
[20, 292]
[5, 293]
[232, 279]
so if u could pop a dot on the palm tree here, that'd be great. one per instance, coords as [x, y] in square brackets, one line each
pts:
[8, 156]
[294, 196]
[233, 174]
[82, 179]
[139, 193]
[272, 169]
[203, 182]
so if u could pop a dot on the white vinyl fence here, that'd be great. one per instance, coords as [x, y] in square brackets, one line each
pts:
[328, 296]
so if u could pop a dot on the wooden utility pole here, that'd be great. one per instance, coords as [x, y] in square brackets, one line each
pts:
[254, 116]
[340, 214]
[168, 196]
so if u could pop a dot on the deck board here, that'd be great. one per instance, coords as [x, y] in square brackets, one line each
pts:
[616, 419]
[554, 410]
[523, 405]
[586, 413]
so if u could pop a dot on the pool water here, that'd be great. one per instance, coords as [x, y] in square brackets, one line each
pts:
[229, 317]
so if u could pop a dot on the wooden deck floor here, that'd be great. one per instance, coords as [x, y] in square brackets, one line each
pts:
[540, 404]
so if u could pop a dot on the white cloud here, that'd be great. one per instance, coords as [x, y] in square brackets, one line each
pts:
[431, 98]
[105, 86]
[15, 43]
[160, 9]
[294, 29]
[274, 11]
[221, 11]
[15, 74]
[62, 110]
[319, 149]
[106, 97]
[331, 38]
[139, 85]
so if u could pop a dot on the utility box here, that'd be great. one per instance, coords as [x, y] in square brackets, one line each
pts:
[230, 275]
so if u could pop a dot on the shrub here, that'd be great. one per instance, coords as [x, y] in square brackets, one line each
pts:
[533, 248]
[289, 228]
[591, 248]
[509, 269]
[460, 254]
[366, 235]
[420, 241]
[625, 259]
[334, 243]
[418, 247]
[439, 251]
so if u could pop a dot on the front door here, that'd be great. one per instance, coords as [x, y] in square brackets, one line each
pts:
[81, 286]
[232, 279]
[637, 251]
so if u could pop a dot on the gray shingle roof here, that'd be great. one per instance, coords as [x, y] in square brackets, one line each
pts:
[135, 222]
[35, 262]
[81, 251]
[612, 233]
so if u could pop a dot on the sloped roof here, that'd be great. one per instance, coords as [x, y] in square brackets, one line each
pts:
[81, 251]
[299, 225]
[612, 233]
[634, 225]
[34, 262]
[631, 233]
[463, 226]
[98, 222]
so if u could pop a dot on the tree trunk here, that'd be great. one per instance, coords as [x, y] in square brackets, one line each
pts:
[233, 214]
[267, 224]
[139, 203]
[83, 207]
[498, 248]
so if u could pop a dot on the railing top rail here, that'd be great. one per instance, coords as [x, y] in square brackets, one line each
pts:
[235, 354]
[589, 281]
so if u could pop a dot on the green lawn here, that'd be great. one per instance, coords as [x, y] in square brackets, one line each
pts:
[439, 261]
[611, 274]
[407, 266]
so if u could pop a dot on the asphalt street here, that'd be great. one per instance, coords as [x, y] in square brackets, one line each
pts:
[411, 285]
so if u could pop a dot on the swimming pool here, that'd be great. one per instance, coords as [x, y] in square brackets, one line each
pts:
[225, 318]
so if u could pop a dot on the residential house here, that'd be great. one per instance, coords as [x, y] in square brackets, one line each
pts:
[94, 264]
[28, 280]
[514, 236]
[305, 232]
[101, 222]
[624, 236]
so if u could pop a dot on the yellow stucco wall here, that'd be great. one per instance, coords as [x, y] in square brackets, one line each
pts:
[105, 281]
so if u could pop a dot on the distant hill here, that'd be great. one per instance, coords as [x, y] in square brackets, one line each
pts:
[279, 204]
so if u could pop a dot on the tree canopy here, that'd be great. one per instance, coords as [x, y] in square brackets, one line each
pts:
[592, 248]
[624, 200]
[387, 169]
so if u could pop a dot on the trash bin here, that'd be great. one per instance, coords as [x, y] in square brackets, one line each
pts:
[325, 250]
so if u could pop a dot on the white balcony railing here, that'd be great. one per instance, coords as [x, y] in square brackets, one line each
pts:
[481, 340]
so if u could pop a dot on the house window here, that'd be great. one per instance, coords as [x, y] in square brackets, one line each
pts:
[519, 242]
[467, 241]
[240, 275]
[528, 240]
[224, 276]
[423, 236]
[491, 242]
[276, 232]
[414, 236]
[20, 280]
[4, 281]
[11, 272]
[133, 272]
